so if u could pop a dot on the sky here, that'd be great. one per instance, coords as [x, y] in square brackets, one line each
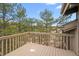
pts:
[33, 9]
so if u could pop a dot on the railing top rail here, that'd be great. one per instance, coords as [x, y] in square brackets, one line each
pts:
[10, 36]
[52, 33]
[62, 34]
[14, 35]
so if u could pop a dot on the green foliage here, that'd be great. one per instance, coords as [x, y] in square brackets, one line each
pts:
[47, 18]
[13, 19]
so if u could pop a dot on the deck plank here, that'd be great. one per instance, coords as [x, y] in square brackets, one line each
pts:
[39, 50]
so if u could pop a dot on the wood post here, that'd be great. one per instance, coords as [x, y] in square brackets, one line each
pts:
[78, 29]
[18, 40]
[2, 47]
[62, 42]
[77, 33]
[67, 42]
[10, 45]
[13, 43]
[6, 46]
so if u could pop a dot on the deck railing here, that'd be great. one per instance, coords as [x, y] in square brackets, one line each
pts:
[12, 42]
[52, 39]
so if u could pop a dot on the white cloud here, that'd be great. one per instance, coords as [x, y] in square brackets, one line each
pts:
[59, 7]
[50, 3]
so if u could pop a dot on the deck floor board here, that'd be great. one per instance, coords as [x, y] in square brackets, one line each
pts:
[32, 49]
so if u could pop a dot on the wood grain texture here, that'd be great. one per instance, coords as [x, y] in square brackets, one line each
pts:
[39, 50]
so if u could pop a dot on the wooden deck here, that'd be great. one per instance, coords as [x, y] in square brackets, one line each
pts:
[32, 49]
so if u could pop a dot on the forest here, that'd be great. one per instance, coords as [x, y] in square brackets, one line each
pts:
[13, 19]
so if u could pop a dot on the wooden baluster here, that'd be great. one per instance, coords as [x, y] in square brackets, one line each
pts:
[55, 40]
[59, 40]
[25, 38]
[10, 45]
[13, 43]
[44, 39]
[17, 41]
[2, 47]
[49, 39]
[62, 41]
[6, 47]
[40, 38]
[21, 40]
[31, 38]
[34, 38]
[70, 38]
[67, 42]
